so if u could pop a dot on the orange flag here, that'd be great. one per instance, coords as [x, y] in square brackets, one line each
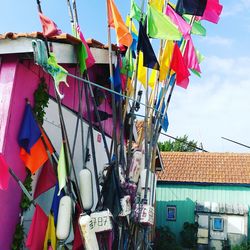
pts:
[115, 21]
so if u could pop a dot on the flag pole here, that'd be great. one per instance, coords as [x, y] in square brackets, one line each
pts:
[114, 137]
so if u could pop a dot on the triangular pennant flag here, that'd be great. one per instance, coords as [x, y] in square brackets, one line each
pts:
[90, 61]
[135, 11]
[29, 132]
[61, 168]
[191, 7]
[197, 28]
[46, 180]
[116, 22]
[166, 60]
[160, 26]
[190, 57]
[50, 237]
[179, 67]
[37, 231]
[144, 45]
[183, 26]
[4, 173]
[49, 27]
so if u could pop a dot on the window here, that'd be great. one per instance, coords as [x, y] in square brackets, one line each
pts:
[218, 224]
[171, 213]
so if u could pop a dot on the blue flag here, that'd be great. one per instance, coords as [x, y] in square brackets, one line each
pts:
[56, 201]
[117, 79]
[165, 122]
[29, 132]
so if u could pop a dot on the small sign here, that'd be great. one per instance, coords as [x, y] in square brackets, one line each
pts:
[101, 221]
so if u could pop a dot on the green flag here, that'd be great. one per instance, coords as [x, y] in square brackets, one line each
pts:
[82, 56]
[160, 26]
[127, 64]
[61, 168]
[58, 73]
[197, 28]
[135, 11]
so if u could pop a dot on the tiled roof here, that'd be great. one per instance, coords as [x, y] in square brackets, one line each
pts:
[231, 168]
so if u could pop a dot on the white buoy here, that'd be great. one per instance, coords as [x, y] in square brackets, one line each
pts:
[86, 188]
[88, 232]
[64, 218]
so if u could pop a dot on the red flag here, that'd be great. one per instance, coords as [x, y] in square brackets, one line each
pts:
[178, 65]
[47, 179]
[49, 27]
[4, 173]
[37, 231]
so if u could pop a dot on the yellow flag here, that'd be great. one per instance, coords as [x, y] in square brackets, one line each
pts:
[50, 234]
[158, 4]
[165, 60]
[133, 28]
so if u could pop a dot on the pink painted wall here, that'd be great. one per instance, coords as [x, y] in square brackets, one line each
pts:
[19, 80]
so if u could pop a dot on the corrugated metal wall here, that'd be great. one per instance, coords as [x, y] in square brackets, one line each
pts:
[185, 196]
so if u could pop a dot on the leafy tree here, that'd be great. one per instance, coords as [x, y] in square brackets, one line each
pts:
[181, 144]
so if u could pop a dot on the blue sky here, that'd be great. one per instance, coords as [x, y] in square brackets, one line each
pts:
[215, 105]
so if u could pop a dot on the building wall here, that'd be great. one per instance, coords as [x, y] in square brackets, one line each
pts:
[185, 196]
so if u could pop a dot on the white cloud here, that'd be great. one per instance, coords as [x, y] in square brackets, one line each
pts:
[216, 105]
[218, 40]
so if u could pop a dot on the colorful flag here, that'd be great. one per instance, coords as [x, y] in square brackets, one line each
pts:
[46, 180]
[191, 7]
[144, 45]
[62, 169]
[135, 11]
[35, 155]
[49, 27]
[90, 60]
[190, 57]
[179, 67]
[116, 22]
[157, 4]
[37, 231]
[182, 25]
[55, 202]
[160, 26]
[58, 73]
[165, 60]
[117, 79]
[29, 132]
[212, 11]
[164, 121]
[50, 236]
[197, 28]
[4, 173]
[127, 64]
[142, 72]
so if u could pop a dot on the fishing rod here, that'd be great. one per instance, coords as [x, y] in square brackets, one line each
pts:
[238, 143]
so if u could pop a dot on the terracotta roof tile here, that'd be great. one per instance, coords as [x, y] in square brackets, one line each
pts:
[203, 167]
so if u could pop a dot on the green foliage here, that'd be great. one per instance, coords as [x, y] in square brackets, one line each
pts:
[189, 235]
[25, 202]
[182, 144]
[41, 100]
[242, 246]
[165, 239]
[18, 238]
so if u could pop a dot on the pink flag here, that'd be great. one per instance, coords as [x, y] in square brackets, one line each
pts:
[183, 26]
[37, 231]
[47, 179]
[49, 27]
[212, 11]
[178, 65]
[90, 61]
[190, 57]
[4, 173]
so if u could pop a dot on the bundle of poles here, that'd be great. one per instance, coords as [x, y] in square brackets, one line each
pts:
[130, 170]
